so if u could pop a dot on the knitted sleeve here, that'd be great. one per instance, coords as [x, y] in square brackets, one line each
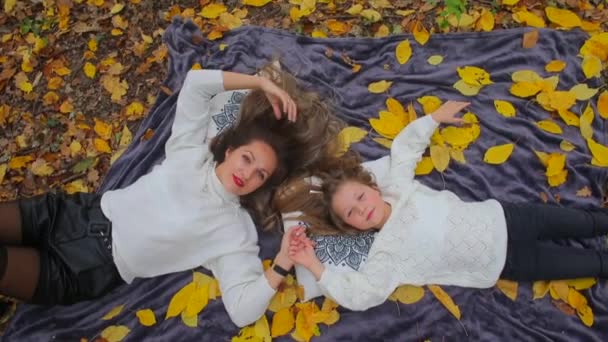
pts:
[192, 115]
[409, 145]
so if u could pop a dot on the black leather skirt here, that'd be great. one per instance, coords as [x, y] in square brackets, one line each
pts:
[74, 239]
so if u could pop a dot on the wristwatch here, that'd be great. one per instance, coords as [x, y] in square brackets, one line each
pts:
[280, 270]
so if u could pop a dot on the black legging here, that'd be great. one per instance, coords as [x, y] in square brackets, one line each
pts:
[532, 256]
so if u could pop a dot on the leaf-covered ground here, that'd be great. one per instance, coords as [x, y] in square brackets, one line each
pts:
[77, 76]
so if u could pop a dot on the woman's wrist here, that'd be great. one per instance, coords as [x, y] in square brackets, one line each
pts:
[283, 261]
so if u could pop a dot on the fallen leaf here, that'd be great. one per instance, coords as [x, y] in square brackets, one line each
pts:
[179, 301]
[282, 322]
[440, 156]
[562, 17]
[3, 168]
[530, 39]
[540, 288]
[146, 317]
[420, 33]
[599, 153]
[189, 321]
[474, 76]
[379, 87]
[445, 299]
[349, 136]
[592, 66]
[566, 146]
[403, 52]
[602, 104]
[371, 15]
[582, 91]
[213, 11]
[115, 333]
[256, 3]
[407, 294]
[498, 154]
[505, 108]
[40, 167]
[508, 287]
[549, 126]
[435, 60]
[115, 311]
[467, 89]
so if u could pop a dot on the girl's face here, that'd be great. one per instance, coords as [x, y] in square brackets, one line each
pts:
[246, 168]
[359, 205]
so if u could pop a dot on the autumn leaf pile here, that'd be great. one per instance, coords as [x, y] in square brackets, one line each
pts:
[77, 76]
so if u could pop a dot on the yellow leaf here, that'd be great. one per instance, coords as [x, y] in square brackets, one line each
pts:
[498, 154]
[212, 11]
[283, 299]
[114, 86]
[282, 322]
[19, 162]
[420, 33]
[585, 122]
[382, 31]
[384, 142]
[429, 103]
[509, 2]
[562, 17]
[215, 34]
[135, 110]
[103, 129]
[486, 21]
[115, 311]
[318, 34]
[66, 107]
[256, 3]
[424, 167]
[569, 118]
[540, 289]
[458, 155]
[379, 87]
[102, 145]
[586, 315]
[543, 157]
[146, 317]
[23, 83]
[197, 301]
[530, 39]
[405, 13]
[179, 301]
[457, 136]
[602, 104]
[581, 283]
[190, 321]
[117, 8]
[261, 329]
[566, 146]
[474, 76]
[55, 83]
[559, 290]
[561, 100]
[230, 21]
[89, 70]
[465, 20]
[201, 279]
[555, 163]
[445, 299]
[76, 186]
[440, 156]
[525, 76]
[508, 287]
[555, 65]
[3, 168]
[435, 60]
[403, 52]
[371, 15]
[559, 179]
[549, 126]
[582, 91]
[592, 66]
[92, 44]
[337, 27]
[596, 46]
[355, 9]
[115, 333]
[9, 5]
[467, 89]
[505, 108]
[599, 153]
[524, 89]
[348, 136]
[407, 294]
[528, 18]
[40, 167]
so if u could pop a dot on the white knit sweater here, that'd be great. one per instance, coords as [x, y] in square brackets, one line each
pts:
[431, 237]
[179, 216]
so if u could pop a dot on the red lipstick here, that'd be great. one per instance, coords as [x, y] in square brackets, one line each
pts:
[239, 182]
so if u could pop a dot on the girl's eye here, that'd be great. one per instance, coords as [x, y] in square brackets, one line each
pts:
[361, 196]
[349, 212]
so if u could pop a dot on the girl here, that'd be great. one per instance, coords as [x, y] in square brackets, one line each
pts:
[432, 237]
[190, 210]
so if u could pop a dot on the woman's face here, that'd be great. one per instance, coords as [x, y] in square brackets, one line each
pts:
[359, 205]
[246, 168]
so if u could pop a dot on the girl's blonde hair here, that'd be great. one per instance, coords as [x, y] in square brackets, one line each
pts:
[315, 201]
[310, 139]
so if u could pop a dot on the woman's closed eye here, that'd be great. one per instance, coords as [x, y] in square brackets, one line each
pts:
[261, 175]
[247, 159]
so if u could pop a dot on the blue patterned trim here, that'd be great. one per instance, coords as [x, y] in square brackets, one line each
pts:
[344, 250]
[227, 116]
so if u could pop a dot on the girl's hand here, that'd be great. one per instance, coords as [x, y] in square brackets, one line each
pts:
[283, 255]
[302, 251]
[281, 102]
[447, 112]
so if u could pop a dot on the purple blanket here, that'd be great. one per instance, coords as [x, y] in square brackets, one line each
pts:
[487, 315]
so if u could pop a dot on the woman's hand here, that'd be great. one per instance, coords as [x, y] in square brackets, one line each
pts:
[282, 258]
[281, 102]
[447, 112]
